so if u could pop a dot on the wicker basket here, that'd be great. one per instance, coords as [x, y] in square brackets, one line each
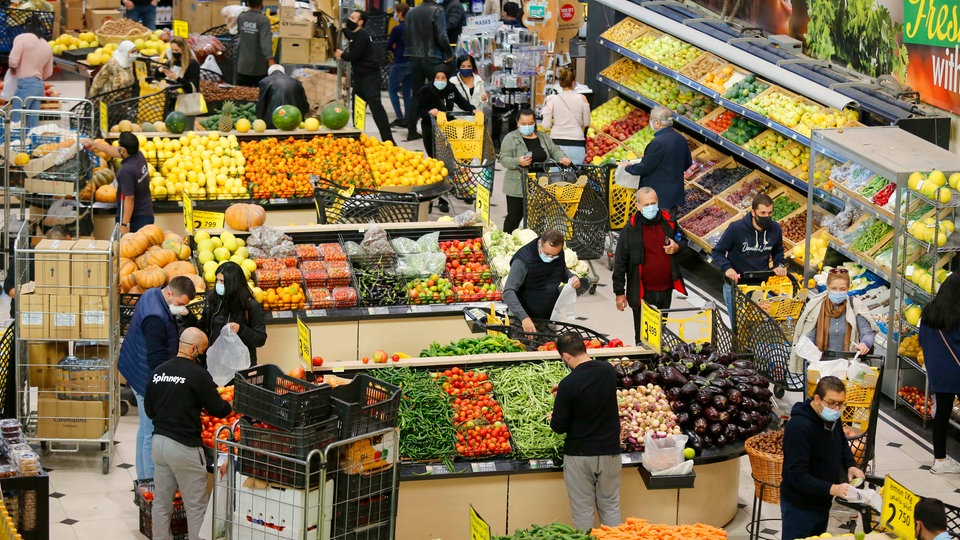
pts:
[106, 38]
[767, 468]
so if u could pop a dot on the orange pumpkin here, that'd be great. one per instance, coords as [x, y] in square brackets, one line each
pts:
[150, 277]
[198, 283]
[156, 256]
[153, 233]
[127, 267]
[172, 236]
[179, 268]
[132, 245]
[243, 217]
[136, 289]
[106, 194]
[127, 282]
[181, 250]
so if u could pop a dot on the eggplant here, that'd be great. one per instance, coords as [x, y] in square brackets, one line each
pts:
[755, 417]
[682, 368]
[755, 392]
[671, 376]
[706, 348]
[727, 358]
[744, 418]
[731, 432]
[709, 441]
[743, 388]
[710, 367]
[743, 432]
[743, 364]
[720, 401]
[756, 380]
[734, 396]
[703, 396]
[764, 421]
[722, 374]
[618, 367]
[722, 440]
[711, 414]
[723, 417]
[715, 428]
[700, 380]
[637, 379]
[694, 440]
[721, 383]
[695, 409]
[626, 382]
[678, 406]
[683, 418]
[673, 394]
[764, 407]
[743, 372]
[764, 382]
[688, 390]
[634, 367]
[700, 425]
[740, 379]
[648, 377]
[764, 394]
[748, 403]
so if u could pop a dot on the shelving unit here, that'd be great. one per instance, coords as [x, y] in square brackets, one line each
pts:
[893, 154]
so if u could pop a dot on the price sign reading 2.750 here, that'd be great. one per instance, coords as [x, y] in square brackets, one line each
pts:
[897, 512]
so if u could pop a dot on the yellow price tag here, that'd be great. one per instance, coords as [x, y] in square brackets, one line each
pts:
[897, 513]
[204, 219]
[479, 529]
[104, 119]
[181, 28]
[359, 112]
[187, 213]
[140, 67]
[304, 343]
[650, 324]
[482, 203]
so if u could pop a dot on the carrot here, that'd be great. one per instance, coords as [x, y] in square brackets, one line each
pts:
[641, 529]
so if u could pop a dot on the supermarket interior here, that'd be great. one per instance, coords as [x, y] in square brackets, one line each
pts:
[426, 274]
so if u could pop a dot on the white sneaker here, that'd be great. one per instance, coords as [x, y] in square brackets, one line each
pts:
[945, 466]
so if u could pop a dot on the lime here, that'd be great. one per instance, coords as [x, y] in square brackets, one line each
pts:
[689, 453]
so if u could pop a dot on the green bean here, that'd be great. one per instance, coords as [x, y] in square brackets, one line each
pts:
[425, 417]
[873, 235]
[524, 394]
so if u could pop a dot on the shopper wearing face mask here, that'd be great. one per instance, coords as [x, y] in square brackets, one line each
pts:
[749, 245]
[365, 58]
[930, 520]
[151, 340]
[117, 73]
[133, 178]
[664, 161]
[537, 272]
[817, 461]
[437, 96]
[834, 320]
[644, 267]
[231, 303]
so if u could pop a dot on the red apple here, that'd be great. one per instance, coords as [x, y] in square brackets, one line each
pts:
[317, 361]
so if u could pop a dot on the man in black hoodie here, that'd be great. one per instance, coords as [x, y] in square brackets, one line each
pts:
[426, 44]
[365, 58]
[537, 271]
[749, 245]
[277, 89]
[817, 461]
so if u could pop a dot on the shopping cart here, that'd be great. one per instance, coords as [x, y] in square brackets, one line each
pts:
[620, 204]
[547, 330]
[226, 59]
[348, 204]
[695, 325]
[871, 518]
[761, 311]
[12, 21]
[143, 109]
[466, 149]
[578, 210]
[91, 107]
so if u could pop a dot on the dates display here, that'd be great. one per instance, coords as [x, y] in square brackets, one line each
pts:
[719, 180]
[706, 220]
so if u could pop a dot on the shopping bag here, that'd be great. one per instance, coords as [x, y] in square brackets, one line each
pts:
[624, 179]
[563, 309]
[807, 349]
[191, 104]
[210, 63]
[660, 454]
[9, 86]
[227, 355]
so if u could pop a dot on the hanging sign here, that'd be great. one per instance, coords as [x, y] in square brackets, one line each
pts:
[304, 342]
[104, 120]
[479, 529]
[200, 219]
[650, 323]
[359, 113]
[482, 203]
[181, 28]
[897, 513]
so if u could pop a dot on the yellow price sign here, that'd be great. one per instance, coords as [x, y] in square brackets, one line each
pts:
[187, 213]
[204, 219]
[140, 67]
[181, 28]
[304, 342]
[482, 203]
[104, 119]
[897, 513]
[479, 529]
[651, 322]
[359, 112]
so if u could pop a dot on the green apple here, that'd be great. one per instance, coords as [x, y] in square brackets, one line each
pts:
[221, 253]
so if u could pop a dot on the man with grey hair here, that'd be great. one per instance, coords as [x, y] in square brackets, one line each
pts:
[644, 267]
[664, 161]
[277, 89]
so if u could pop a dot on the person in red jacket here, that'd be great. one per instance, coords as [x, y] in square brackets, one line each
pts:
[644, 267]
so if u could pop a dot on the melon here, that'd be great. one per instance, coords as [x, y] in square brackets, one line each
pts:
[259, 126]
[286, 117]
[334, 116]
[176, 122]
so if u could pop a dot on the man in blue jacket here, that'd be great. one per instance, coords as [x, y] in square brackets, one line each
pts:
[537, 271]
[150, 341]
[817, 461]
[749, 245]
[664, 161]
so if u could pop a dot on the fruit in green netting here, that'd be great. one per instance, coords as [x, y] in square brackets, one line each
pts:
[944, 196]
[954, 181]
[176, 122]
[334, 116]
[286, 117]
[937, 178]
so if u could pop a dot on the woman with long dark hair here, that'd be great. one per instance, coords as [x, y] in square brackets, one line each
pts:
[31, 62]
[940, 340]
[231, 303]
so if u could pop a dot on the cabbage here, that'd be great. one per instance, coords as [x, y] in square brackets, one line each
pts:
[524, 236]
[501, 264]
[582, 269]
[571, 258]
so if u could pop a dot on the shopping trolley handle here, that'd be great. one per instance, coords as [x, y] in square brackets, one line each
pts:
[759, 276]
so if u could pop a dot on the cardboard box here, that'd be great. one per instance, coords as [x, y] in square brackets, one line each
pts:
[81, 419]
[299, 27]
[201, 16]
[64, 317]
[52, 269]
[42, 358]
[100, 4]
[319, 52]
[96, 17]
[269, 511]
[295, 51]
[33, 310]
[47, 413]
[91, 271]
[94, 317]
[320, 87]
[291, 9]
[75, 20]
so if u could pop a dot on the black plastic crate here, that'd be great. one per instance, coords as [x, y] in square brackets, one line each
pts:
[295, 442]
[359, 486]
[366, 405]
[178, 521]
[285, 472]
[268, 394]
[26, 499]
[364, 514]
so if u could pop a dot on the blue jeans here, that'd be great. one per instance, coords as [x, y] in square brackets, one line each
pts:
[401, 80]
[144, 441]
[145, 15]
[728, 301]
[800, 522]
[577, 154]
[27, 88]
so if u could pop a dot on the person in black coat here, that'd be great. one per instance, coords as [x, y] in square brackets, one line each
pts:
[184, 70]
[277, 89]
[664, 161]
[232, 303]
[365, 58]
[435, 97]
[456, 19]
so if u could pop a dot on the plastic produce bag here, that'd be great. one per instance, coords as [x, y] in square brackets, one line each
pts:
[663, 453]
[563, 309]
[807, 349]
[467, 218]
[421, 264]
[9, 86]
[227, 355]
[624, 179]
[835, 368]
[405, 246]
[861, 374]
[429, 242]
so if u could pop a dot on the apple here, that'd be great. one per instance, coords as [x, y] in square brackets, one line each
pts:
[317, 361]
[365, 360]
[380, 357]
[297, 373]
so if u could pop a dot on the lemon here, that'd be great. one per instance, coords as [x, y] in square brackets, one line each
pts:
[311, 124]
[243, 125]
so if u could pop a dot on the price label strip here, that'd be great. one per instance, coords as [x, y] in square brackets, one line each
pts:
[897, 513]
[359, 113]
[650, 323]
[304, 342]
[187, 213]
[203, 219]
[479, 529]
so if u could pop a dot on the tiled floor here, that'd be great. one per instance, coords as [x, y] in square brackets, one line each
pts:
[87, 505]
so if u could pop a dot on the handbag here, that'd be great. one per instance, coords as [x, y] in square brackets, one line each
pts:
[191, 104]
[949, 348]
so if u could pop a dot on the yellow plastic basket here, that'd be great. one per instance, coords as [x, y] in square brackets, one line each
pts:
[465, 137]
[856, 408]
[621, 205]
[568, 195]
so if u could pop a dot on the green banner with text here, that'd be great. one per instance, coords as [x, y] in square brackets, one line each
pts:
[931, 22]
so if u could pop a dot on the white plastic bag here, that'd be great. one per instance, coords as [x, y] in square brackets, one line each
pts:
[624, 179]
[808, 350]
[835, 368]
[563, 309]
[860, 373]
[227, 355]
[9, 86]
[664, 453]
[210, 64]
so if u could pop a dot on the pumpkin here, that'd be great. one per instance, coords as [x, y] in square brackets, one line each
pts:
[198, 283]
[172, 236]
[102, 177]
[150, 277]
[127, 267]
[153, 233]
[181, 250]
[243, 217]
[127, 282]
[106, 194]
[86, 194]
[156, 256]
[179, 268]
[132, 245]
[136, 289]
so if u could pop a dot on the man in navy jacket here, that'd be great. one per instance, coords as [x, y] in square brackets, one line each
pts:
[664, 161]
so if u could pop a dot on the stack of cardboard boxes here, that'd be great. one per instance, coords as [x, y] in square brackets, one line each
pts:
[300, 41]
[89, 15]
[69, 300]
[200, 15]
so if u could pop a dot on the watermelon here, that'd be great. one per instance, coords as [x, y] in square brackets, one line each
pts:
[176, 122]
[334, 116]
[286, 117]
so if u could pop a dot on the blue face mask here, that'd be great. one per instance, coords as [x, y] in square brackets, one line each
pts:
[547, 258]
[650, 212]
[466, 73]
[440, 85]
[527, 131]
[220, 288]
[838, 297]
[829, 415]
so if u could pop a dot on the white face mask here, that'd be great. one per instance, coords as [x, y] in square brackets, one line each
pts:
[177, 310]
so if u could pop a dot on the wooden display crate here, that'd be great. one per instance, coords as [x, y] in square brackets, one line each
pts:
[625, 31]
[772, 186]
[817, 228]
[694, 187]
[703, 64]
[779, 90]
[705, 154]
[713, 115]
[614, 71]
[717, 66]
[701, 240]
[725, 163]
[792, 195]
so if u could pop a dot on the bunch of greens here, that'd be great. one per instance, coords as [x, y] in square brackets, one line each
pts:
[858, 33]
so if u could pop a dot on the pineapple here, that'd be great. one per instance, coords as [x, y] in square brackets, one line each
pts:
[226, 117]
